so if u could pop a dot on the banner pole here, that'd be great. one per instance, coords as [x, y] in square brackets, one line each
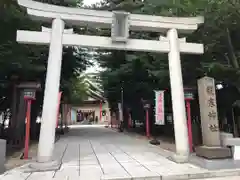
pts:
[27, 136]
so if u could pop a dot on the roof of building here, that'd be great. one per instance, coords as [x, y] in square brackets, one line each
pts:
[94, 89]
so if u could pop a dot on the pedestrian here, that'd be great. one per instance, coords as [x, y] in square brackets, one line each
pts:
[96, 119]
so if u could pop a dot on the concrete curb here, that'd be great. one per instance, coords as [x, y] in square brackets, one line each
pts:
[209, 174]
[127, 177]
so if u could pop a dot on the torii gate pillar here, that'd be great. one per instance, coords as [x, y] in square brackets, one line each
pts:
[47, 133]
[178, 102]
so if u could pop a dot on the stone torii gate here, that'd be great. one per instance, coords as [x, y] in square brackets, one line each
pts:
[120, 24]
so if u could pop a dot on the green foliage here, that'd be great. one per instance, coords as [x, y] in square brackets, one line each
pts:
[141, 73]
[77, 90]
[29, 62]
[137, 73]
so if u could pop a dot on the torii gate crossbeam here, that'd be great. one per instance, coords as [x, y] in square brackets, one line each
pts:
[44, 38]
[103, 19]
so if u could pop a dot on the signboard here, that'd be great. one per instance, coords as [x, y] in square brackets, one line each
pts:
[29, 94]
[147, 106]
[159, 108]
[208, 112]
[188, 95]
[30, 85]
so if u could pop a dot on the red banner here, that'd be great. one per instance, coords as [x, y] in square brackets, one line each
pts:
[159, 108]
[59, 101]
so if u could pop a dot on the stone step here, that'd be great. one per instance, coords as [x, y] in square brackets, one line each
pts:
[231, 142]
[226, 135]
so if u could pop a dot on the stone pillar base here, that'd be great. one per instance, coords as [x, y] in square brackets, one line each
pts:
[2, 155]
[214, 152]
[179, 158]
[41, 167]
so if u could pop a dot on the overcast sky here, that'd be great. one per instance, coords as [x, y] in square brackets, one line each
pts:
[95, 67]
[89, 2]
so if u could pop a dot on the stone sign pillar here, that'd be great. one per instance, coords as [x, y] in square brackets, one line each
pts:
[209, 121]
[208, 111]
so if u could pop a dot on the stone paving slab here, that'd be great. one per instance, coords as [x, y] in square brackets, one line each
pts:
[41, 175]
[98, 153]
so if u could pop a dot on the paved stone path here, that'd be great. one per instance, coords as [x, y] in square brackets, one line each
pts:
[98, 153]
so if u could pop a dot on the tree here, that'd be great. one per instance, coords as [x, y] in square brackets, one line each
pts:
[141, 73]
[78, 90]
[27, 62]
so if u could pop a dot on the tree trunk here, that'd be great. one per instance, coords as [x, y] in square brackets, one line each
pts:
[231, 50]
[21, 117]
[14, 108]
[13, 120]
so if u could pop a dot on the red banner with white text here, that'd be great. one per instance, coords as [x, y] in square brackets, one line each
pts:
[159, 108]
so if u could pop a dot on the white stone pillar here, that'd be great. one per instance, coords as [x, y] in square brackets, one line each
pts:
[178, 102]
[49, 114]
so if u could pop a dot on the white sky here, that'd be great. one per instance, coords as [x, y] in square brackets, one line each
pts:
[95, 67]
[89, 2]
